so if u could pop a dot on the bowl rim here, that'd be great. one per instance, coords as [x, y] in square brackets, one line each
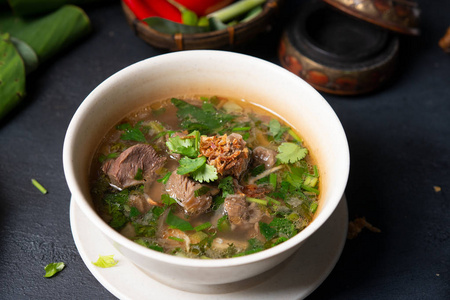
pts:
[89, 211]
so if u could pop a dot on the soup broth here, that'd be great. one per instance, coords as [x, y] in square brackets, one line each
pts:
[204, 177]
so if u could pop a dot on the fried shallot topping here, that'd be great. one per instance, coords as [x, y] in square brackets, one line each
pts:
[227, 153]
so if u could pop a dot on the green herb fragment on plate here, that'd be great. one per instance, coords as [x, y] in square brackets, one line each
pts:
[105, 261]
[39, 186]
[52, 268]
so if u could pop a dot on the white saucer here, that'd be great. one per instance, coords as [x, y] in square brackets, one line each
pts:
[296, 279]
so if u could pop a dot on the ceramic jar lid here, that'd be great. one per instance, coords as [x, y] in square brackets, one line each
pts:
[337, 53]
[397, 15]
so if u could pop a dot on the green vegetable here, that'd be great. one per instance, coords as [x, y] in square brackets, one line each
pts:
[223, 224]
[149, 244]
[112, 155]
[259, 201]
[38, 7]
[39, 186]
[283, 227]
[267, 231]
[273, 180]
[178, 223]
[203, 226]
[227, 186]
[132, 133]
[12, 75]
[52, 268]
[106, 261]
[134, 212]
[201, 191]
[207, 173]
[237, 8]
[290, 153]
[184, 145]
[167, 200]
[189, 165]
[176, 239]
[165, 178]
[139, 175]
[206, 119]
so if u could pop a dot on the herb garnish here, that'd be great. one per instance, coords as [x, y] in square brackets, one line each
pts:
[132, 133]
[290, 153]
[52, 268]
[206, 119]
[105, 261]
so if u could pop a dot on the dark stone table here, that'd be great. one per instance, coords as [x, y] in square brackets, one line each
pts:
[399, 141]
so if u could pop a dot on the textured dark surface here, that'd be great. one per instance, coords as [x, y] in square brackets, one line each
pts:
[400, 149]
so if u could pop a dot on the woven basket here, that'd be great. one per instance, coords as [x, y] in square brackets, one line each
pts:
[233, 35]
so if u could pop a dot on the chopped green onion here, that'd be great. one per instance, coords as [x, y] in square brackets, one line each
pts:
[229, 12]
[316, 171]
[203, 226]
[273, 180]
[310, 181]
[39, 186]
[310, 189]
[313, 207]
[294, 135]
[176, 239]
[241, 129]
[271, 200]
[165, 178]
[256, 200]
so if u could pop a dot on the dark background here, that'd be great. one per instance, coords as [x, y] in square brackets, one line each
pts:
[399, 141]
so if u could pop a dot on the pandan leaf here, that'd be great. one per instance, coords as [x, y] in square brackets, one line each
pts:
[27, 53]
[170, 27]
[12, 75]
[36, 7]
[48, 34]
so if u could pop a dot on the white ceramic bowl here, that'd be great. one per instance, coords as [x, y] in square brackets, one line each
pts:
[208, 73]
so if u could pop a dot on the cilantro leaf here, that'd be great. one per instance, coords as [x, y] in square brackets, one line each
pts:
[267, 231]
[283, 226]
[149, 244]
[187, 145]
[52, 268]
[106, 261]
[177, 222]
[189, 165]
[227, 186]
[207, 173]
[132, 133]
[290, 153]
[276, 129]
[206, 119]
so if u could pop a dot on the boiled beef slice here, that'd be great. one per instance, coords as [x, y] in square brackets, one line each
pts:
[263, 155]
[183, 189]
[122, 170]
[241, 212]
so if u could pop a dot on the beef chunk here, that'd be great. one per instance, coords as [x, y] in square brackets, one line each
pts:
[122, 170]
[183, 190]
[228, 154]
[262, 155]
[241, 212]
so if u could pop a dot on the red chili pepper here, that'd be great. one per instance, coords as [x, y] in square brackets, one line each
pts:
[154, 8]
[204, 7]
[140, 9]
[165, 10]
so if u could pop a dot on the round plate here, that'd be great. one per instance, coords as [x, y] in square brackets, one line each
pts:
[297, 278]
